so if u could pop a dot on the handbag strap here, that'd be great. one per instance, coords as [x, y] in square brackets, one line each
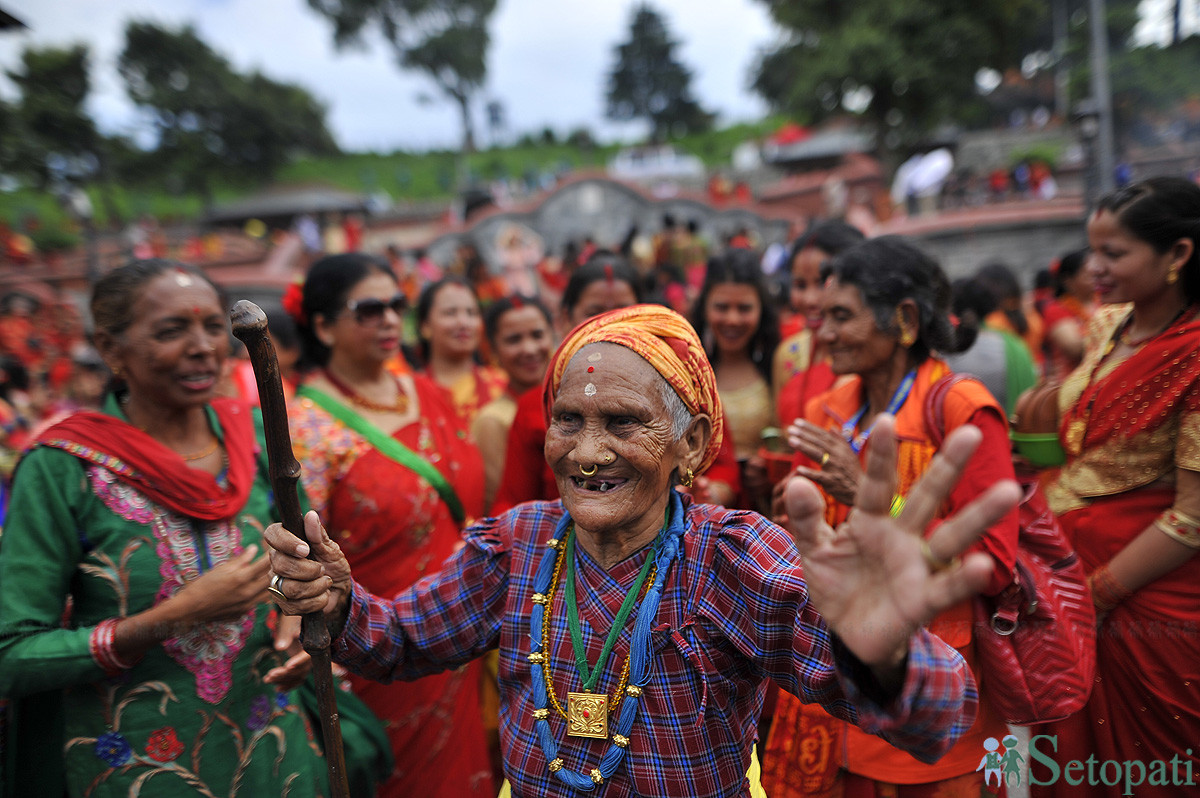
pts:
[389, 447]
[935, 407]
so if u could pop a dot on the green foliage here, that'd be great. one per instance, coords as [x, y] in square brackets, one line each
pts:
[47, 135]
[905, 65]
[1047, 153]
[1148, 80]
[54, 238]
[211, 120]
[647, 82]
[1145, 81]
[447, 40]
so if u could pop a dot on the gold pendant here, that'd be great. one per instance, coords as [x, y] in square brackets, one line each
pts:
[1074, 436]
[587, 715]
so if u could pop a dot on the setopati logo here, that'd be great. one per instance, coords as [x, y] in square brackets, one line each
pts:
[1003, 763]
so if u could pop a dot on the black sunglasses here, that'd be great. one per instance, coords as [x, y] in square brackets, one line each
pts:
[370, 310]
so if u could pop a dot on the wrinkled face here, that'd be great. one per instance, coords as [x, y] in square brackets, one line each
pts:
[371, 340]
[522, 345]
[601, 297]
[173, 352]
[1123, 267]
[621, 417]
[733, 312]
[855, 343]
[806, 288]
[454, 325]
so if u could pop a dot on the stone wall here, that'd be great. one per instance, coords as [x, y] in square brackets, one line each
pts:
[606, 211]
[1023, 243]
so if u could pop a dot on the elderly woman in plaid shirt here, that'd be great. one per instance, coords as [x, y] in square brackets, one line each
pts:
[637, 629]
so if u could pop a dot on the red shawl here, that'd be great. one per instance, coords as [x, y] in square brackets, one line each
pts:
[1139, 394]
[159, 472]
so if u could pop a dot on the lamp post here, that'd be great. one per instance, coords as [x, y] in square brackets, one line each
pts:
[1086, 116]
[1104, 153]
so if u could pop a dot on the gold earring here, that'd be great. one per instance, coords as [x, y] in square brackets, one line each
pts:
[907, 338]
[688, 478]
[1172, 276]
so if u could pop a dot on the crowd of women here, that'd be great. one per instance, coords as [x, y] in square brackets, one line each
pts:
[541, 482]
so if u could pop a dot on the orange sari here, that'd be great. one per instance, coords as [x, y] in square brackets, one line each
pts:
[811, 754]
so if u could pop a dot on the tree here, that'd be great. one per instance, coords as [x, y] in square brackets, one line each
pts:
[647, 82]
[211, 120]
[447, 40]
[55, 141]
[905, 65]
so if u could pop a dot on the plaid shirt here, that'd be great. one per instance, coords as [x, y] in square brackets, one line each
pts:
[734, 613]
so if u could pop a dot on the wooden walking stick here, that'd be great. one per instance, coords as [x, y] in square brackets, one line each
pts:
[250, 327]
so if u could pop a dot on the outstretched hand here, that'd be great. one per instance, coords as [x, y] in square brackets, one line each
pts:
[870, 578]
[322, 584]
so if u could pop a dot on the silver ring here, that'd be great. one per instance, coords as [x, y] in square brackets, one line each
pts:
[274, 589]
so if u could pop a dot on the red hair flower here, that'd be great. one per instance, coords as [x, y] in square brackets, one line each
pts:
[293, 302]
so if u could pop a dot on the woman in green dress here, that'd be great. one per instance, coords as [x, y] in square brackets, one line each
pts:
[132, 583]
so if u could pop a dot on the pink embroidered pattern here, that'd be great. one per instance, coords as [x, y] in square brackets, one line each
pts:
[119, 497]
[208, 650]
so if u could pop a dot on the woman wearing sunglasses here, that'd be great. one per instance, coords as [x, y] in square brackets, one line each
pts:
[380, 454]
[450, 327]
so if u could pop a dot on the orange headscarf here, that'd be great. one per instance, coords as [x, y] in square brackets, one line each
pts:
[667, 342]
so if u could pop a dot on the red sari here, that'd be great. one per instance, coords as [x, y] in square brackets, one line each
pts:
[1127, 427]
[797, 375]
[395, 529]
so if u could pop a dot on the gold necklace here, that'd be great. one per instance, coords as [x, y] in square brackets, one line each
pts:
[400, 406]
[187, 458]
[205, 452]
[622, 683]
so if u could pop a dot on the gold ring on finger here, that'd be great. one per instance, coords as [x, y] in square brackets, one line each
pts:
[275, 590]
[935, 563]
[824, 459]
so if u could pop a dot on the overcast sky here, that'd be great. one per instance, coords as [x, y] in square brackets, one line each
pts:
[547, 63]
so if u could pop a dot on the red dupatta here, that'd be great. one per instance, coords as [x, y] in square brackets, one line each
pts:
[159, 472]
[1138, 395]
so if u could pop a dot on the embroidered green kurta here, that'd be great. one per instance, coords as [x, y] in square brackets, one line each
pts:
[193, 717]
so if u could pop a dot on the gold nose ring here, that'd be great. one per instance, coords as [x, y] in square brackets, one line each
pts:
[608, 458]
[587, 473]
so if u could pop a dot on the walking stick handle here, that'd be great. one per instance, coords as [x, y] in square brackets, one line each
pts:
[250, 327]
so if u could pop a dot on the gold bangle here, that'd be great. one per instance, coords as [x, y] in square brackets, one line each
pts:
[1180, 527]
[1107, 592]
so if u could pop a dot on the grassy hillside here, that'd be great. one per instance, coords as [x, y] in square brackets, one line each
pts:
[406, 177]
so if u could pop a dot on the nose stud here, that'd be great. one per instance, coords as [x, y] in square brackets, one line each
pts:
[608, 458]
[587, 473]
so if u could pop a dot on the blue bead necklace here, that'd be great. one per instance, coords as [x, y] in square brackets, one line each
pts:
[665, 549]
[898, 398]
